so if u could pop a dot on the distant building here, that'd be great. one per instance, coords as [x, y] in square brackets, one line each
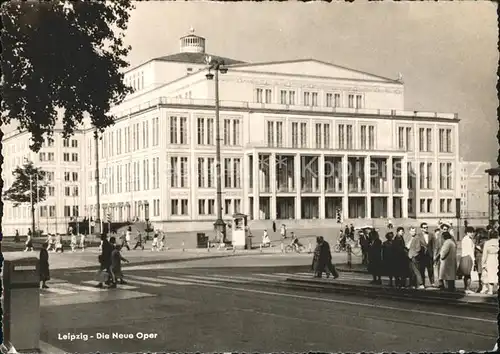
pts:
[474, 189]
[300, 139]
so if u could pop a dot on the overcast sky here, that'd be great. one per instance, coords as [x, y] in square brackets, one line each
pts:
[447, 52]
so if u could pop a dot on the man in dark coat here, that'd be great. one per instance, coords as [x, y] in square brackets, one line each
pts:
[44, 265]
[326, 258]
[426, 256]
[105, 257]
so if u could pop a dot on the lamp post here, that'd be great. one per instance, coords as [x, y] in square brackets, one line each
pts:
[97, 229]
[32, 201]
[217, 66]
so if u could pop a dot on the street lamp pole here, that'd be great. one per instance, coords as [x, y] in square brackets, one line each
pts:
[217, 66]
[98, 198]
[32, 203]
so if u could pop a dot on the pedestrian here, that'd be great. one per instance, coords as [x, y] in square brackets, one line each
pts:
[426, 261]
[448, 265]
[73, 242]
[415, 249]
[375, 257]
[44, 265]
[274, 226]
[139, 241]
[489, 263]
[283, 231]
[104, 261]
[467, 259]
[29, 242]
[128, 237]
[326, 259]
[82, 241]
[390, 226]
[266, 241]
[58, 244]
[480, 239]
[389, 258]
[347, 233]
[364, 243]
[438, 243]
[162, 240]
[17, 238]
[401, 263]
[116, 266]
[154, 244]
[318, 272]
[49, 241]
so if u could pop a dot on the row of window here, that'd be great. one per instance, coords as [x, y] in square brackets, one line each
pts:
[445, 205]
[309, 98]
[135, 80]
[49, 142]
[425, 141]
[425, 176]
[67, 157]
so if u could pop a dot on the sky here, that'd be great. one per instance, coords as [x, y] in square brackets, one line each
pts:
[446, 51]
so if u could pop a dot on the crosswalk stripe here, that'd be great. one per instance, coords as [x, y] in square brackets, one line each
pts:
[137, 282]
[121, 286]
[221, 278]
[255, 279]
[190, 278]
[270, 275]
[81, 288]
[157, 280]
[58, 291]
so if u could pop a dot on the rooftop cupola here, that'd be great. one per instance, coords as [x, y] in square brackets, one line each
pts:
[192, 43]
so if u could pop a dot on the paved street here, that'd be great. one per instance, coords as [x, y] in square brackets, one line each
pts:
[211, 305]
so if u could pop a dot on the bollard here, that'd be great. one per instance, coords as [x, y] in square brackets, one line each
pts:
[349, 256]
[282, 247]
[182, 246]
[208, 246]
[261, 248]
[310, 247]
[21, 304]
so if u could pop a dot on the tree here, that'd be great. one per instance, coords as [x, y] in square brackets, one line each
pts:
[62, 56]
[22, 191]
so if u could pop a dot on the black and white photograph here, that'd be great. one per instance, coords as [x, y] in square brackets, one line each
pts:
[249, 177]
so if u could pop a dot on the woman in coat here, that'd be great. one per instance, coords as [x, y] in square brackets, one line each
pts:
[44, 265]
[318, 272]
[448, 261]
[490, 263]
[388, 257]
[401, 267]
[375, 257]
[479, 240]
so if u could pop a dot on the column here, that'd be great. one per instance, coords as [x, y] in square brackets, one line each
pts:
[337, 179]
[256, 177]
[245, 186]
[272, 184]
[390, 184]
[368, 187]
[345, 183]
[404, 185]
[298, 181]
[321, 176]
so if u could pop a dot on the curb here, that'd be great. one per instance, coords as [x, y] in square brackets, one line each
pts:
[408, 295]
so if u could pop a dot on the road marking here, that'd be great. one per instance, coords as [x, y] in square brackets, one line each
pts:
[58, 291]
[220, 279]
[359, 304]
[255, 279]
[120, 286]
[157, 280]
[137, 282]
[270, 275]
[190, 279]
[82, 288]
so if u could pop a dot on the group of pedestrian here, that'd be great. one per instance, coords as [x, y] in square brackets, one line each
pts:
[322, 260]
[110, 260]
[406, 263]
[158, 242]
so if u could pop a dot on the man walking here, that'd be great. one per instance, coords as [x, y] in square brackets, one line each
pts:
[326, 258]
[105, 259]
[415, 246]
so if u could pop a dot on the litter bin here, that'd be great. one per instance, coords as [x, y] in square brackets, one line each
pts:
[201, 240]
[21, 303]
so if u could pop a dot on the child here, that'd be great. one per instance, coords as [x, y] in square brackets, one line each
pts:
[73, 242]
[44, 265]
[154, 245]
[162, 241]
[116, 266]
[266, 241]
[82, 242]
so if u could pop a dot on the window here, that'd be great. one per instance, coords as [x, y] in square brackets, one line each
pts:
[210, 172]
[50, 143]
[445, 140]
[422, 175]
[155, 130]
[174, 207]
[429, 205]
[67, 210]
[404, 138]
[145, 134]
[421, 139]
[184, 172]
[291, 97]
[359, 101]
[66, 156]
[174, 171]
[52, 211]
[201, 131]
[350, 103]
[303, 135]
[51, 191]
[337, 100]
[429, 139]
[67, 191]
[268, 96]
[201, 172]
[145, 176]
[42, 156]
[156, 207]
[314, 99]
[341, 136]
[326, 135]
[183, 131]
[363, 137]
[237, 206]
[66, 143]
[423, 206]
[236, 173]
[227, 173]
[67, 176]
[211, 206]
[236, 132]
[329, 100]
[283, 97]
[74, 143]
[227, 206]
[201, 206]
[227, 132]
[43, 211]
[318, 135]
[270, 133]
[173, 130]
[184, 207]
[429, 175]
[75, 176]
[295, 135]
[74, 157]
[409, 140]
[259, 93]
[442, 205]
[449, 205]
[307, 97]
[349, 137]
[371, 137]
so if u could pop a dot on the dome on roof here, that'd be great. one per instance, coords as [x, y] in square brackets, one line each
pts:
[192, 43]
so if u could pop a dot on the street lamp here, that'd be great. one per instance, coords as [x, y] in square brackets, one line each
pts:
[32, 202]
[217, 66]
[97, 229]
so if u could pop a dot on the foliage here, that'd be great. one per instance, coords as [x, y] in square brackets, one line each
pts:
[19, 192]
[62, 56]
